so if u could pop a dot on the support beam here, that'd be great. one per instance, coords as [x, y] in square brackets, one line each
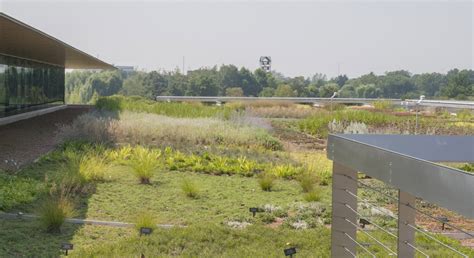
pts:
[340, 183]
[406, 215]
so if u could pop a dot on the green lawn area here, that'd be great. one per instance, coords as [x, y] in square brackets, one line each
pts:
[201, 222]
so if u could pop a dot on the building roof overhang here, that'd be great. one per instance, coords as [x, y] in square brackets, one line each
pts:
[21, 40]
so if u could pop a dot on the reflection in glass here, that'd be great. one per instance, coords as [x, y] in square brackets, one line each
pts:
[25, 84]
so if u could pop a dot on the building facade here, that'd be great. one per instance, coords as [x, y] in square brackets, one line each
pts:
[32, 67]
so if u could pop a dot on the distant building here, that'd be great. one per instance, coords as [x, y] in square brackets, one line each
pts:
[126, 68]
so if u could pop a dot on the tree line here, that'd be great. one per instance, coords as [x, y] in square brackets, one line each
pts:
[229, 80]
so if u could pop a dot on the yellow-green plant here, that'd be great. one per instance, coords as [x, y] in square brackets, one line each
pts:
[190, 189]
[121, 155]
[145, 220]
[93, 168]
[143, 162]
[54, 211]
[286, 171]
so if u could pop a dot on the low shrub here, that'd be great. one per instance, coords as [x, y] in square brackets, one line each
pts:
[190, 189]
[266, 181]
[54, 211]
[143, 162]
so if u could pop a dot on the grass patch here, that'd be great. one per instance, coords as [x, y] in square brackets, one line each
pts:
[15, 190]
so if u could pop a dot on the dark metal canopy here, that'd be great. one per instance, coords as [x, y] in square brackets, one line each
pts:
[21, 40]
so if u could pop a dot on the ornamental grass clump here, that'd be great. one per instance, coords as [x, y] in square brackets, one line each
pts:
[54, 211]
[266, 181]
[190, 189]
[307, 181]
[145, 220]
[144, 162]
[315, 195]
[93, 168]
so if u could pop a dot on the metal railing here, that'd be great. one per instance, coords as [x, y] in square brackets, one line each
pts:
[304, 100]
[405, 163]
[299, 100]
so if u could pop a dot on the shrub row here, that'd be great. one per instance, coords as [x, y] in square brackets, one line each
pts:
[119, 103]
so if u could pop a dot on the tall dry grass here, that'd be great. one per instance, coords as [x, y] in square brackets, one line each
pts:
[158, 130]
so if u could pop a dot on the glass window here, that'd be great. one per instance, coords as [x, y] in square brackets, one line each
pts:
[27, 85]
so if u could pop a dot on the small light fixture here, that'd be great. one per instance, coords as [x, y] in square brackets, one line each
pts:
[66, 247]
[443, 221]
[290, 251]
[145, 231]
[254, 210]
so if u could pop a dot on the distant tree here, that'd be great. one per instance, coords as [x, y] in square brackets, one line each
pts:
[299, 84]
[234, 92]
[284, 90]
[248, 82]
[228, 76]
[263, 79]
[318, 80]
[328, 90]
[267, 92]
[203, 82]
[155, 84]
[396, 84]
[460, 84]
[368, 91]
[134, 85]
[347, 91]
[177, 83]
[429, 84]
[341, 80]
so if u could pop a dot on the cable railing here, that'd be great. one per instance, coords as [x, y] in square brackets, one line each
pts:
[397, 170]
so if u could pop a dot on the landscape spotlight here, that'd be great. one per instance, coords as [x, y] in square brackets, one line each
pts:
[254, 210]
[443, 220]
[145, 231]
[290, 251]
[66, 247]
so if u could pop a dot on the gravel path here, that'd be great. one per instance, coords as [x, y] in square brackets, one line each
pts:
[24, 141]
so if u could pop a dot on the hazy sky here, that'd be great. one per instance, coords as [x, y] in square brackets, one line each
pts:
[302, 38]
